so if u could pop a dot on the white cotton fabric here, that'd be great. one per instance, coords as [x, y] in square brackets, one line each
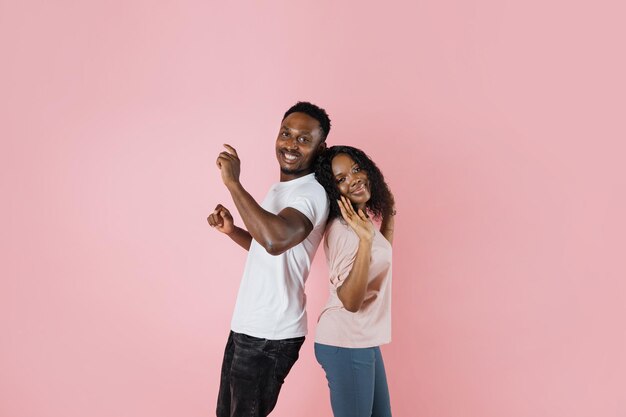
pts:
[271, 303]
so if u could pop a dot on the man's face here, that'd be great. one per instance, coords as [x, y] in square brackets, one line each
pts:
[298, 144]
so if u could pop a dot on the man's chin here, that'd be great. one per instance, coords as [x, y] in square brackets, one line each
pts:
[288, 171]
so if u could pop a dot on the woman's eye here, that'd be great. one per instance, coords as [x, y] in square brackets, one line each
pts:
[340, 180]
[357, 169]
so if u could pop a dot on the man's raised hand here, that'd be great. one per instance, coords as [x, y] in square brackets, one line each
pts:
[229, 164]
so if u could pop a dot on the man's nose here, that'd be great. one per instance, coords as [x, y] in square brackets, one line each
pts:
[292, 143]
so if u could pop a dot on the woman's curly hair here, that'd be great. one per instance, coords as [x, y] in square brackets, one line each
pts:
[380, 204]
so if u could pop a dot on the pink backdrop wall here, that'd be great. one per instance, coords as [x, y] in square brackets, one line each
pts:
[498, 124]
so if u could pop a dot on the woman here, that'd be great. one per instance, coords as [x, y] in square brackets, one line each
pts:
[357, 317]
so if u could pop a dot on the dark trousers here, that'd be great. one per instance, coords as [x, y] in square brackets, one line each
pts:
[253, 372]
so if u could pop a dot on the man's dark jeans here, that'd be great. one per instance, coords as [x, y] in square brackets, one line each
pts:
[253, 372]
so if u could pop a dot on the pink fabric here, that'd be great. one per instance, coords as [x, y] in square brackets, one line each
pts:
[371, 325]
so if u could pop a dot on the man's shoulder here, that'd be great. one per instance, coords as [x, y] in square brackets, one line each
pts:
[312, 185]
[309, 187]
[309, 198]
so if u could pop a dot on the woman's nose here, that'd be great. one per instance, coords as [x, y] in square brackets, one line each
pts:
[354, 181]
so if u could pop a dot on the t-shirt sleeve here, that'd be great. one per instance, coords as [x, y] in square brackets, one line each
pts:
[341, 247]
[311, 201]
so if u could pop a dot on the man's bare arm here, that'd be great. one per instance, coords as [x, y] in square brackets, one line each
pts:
[275, 232]
[222, 220]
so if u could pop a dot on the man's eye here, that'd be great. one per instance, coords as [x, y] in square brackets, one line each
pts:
[302, 139]
[284, 134]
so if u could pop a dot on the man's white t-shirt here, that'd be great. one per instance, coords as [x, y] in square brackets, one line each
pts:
[271, 303]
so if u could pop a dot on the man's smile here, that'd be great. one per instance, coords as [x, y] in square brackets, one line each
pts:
[289, 156]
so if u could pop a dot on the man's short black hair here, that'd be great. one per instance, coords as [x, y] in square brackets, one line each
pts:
[315, 112]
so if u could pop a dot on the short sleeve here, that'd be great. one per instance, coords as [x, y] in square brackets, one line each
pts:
[341, 245]
[311, 200]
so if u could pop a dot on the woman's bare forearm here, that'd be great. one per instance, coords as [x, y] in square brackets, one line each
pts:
[352, 291]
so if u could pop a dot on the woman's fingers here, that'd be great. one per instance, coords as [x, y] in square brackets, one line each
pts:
[348, 206]
[344, 214]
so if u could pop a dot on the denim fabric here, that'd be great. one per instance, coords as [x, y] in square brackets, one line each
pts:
[357, 381]
[253, 371]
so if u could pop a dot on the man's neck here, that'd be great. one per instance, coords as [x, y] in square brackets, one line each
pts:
[284, 177]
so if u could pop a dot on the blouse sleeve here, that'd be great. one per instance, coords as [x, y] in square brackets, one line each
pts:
[341, 247]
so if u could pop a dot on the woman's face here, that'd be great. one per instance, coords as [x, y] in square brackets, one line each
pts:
[351, 180]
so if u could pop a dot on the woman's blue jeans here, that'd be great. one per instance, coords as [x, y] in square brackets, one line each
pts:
[357, 381]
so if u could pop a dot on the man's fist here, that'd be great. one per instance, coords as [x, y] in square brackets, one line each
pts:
[221, 219]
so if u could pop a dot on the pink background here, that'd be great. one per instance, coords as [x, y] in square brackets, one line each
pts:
[500, 128]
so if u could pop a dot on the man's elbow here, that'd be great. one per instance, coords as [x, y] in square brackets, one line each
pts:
[351, 306]
[274, 249]
[283, 240]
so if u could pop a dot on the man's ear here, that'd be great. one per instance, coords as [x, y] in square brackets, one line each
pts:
[322, 147]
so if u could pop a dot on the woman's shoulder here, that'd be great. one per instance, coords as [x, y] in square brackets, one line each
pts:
[337, 226]
[340, 234]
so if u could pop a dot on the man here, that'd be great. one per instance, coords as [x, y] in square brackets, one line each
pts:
[281, 236]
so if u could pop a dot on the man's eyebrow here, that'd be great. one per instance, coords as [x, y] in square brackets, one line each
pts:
[300, 132]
